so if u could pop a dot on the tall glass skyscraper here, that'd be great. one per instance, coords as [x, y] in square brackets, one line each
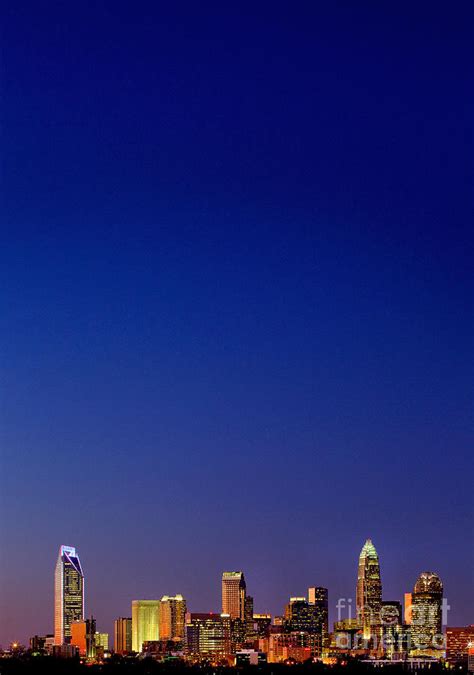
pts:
[426, 621]
[369, 591]
[233, 595]
[144, 622]
[68, 593]
[172, 617]
[123, 635]
[318, 596]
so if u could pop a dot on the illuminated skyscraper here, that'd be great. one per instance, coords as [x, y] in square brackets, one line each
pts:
[407, 608]
[304, 617]
[249, 629]
[144, 622]
[68, 593]
[102, 642]
[172, 617]
[458, 641]
[426, 602]
[369, 591]
[83, 636]
[233, 595]
[318, 596]
[123, 635]
[208, 635]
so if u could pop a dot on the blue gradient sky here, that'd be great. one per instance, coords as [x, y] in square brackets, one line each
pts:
[236, 322]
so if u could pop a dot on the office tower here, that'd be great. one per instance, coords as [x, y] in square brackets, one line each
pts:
[303, 617]
[102, 642]
[233, 595]
[78, 636]
[298, 646]
[144, 622]
[458, 641]
[208, 635]
[83, 637]
[68, 593]
[296, 613]
[250, 633]
[123, 635]
[407, 608]
[369, 591]
[391, 613]
[426, 599]
[346, 634]
[392, 627]
[318, 596]
[172, 617]
[262, 623]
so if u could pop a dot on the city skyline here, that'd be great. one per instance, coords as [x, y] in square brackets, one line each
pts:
[147, 614]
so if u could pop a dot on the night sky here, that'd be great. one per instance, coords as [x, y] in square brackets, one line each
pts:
[236, 300]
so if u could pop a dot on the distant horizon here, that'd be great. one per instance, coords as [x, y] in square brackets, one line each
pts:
[350, 607]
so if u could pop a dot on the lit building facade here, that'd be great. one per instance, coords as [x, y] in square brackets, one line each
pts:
[172, 617]
[298, 646]
[262, 623]
[250, 632]
[83, 637]
[234, 591]
[68, 593]
[123, 635]
[369, 591]
[144, 622]
[318, 597]
[208, 635]
[102, 642]
[303, 617]
[394, 641]
[458, 640]
[426, 617]
[407, 608]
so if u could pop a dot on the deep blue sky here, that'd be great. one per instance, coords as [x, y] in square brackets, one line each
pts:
[236, 324]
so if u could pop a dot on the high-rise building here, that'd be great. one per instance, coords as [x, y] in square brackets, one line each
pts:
[233, 595]
[458, 641]
[426, 625]
[303, 617]
[250, 632]
[144, 622]
[369, 591]
[391, 613]
[68, 593]
[392, 627]
[318, 597]
[102, 642]
[208, 635]
[123, 635]
[83, 637]
[172, 617]
[262, 623]
[407, 608]
[298, 646]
